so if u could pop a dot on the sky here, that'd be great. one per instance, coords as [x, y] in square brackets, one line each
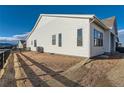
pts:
[17, 21]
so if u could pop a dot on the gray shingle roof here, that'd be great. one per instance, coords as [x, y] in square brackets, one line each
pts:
[109, 21]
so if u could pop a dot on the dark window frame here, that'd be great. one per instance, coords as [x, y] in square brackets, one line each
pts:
[80, 37]
[60, 39]
[98, 38]
[53, 39]
[35, 43]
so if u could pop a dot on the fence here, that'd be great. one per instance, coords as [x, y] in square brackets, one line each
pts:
[120, 49]
[4, 54]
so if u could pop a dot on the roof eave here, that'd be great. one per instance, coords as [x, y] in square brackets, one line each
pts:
[34, 27]
[101, 23]
[68, 15]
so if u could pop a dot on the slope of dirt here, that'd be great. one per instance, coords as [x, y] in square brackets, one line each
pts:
[91, 73]
[77, 71]
[116, 74]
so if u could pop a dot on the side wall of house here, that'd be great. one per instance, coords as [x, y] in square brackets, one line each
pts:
[107, 41]
[113, 31]
[49, 26]
[97, 50]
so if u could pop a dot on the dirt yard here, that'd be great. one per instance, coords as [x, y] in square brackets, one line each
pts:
[48, 70]
[55, 62]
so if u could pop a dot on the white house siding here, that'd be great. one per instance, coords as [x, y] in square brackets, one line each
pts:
[20, 45]
[49, 26]
[96, 50]
[107, 39]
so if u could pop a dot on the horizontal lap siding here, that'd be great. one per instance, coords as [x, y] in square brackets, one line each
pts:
[49, 26]
[96, 50]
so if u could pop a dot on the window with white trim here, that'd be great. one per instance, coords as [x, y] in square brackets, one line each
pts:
[35, 43]
[98, 38]
[79, 37]
[53, 39]
[60, 40]
[31, 42]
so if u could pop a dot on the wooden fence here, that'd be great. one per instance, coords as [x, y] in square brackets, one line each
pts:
[4, 54]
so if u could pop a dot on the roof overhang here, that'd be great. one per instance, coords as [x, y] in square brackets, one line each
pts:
[100, 23]
[34, 27]
[69, 15]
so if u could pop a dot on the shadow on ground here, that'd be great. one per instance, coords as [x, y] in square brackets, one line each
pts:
[8, 80]
[35, 80]
[65, 81]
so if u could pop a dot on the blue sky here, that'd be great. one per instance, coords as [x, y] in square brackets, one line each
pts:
[17, 21]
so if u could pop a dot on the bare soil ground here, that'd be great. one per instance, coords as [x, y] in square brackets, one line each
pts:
[94, 72]
[55, 62]
[46, 70]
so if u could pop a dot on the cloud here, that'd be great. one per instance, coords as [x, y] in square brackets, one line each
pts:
[121, 35]
[21, 37]
[14, 37]
[121, 31]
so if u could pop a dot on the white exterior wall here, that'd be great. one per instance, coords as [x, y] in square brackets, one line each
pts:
[96, 50]
[107, 39]
[49, 26]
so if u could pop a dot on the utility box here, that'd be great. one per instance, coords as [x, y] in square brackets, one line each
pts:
[40, 49]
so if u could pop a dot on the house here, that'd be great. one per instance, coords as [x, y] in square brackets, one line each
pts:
[21, 44]
[77, 35]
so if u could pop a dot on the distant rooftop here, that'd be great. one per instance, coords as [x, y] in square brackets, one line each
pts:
[109, 21]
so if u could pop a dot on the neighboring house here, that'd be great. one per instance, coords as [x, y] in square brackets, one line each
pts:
[78, 35]
[120, 44]
[21, 44]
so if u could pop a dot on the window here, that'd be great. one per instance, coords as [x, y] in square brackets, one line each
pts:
[35, 43]
[31, 42]
[98, 38]
[60, 40]
[79, 37]
[53, 39]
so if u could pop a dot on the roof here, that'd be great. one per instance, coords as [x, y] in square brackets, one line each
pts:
[22, 41]
[109, 21]
[91, 16]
